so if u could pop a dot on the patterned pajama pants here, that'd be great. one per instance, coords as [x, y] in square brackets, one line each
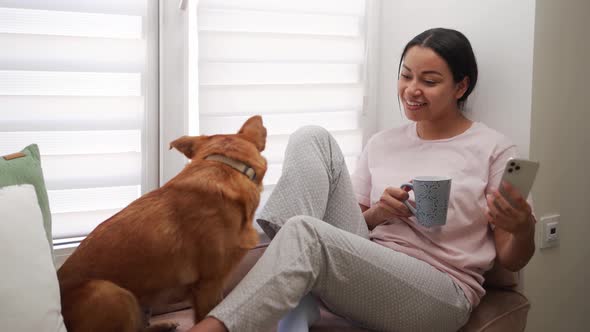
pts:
[323, 248]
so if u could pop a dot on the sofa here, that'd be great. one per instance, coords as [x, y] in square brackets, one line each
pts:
[504, 308]
[29, 293]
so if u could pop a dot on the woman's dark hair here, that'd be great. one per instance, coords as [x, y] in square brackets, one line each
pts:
[455, 49]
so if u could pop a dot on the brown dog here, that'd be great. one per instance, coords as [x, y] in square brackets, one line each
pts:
[183, 238]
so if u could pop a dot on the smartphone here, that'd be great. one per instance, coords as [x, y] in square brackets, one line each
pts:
[520, 173]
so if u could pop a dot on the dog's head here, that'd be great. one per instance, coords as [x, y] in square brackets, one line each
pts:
[244, 146]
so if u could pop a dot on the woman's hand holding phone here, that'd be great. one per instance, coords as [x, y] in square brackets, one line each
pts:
[515, 218]
[507, 206]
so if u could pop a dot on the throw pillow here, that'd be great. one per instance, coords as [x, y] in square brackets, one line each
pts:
[25, 167]
[29, 290]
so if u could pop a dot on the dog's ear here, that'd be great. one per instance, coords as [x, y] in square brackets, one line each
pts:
[254, 131]
[188, 145]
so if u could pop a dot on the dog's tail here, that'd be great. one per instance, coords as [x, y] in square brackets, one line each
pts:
[100, 305]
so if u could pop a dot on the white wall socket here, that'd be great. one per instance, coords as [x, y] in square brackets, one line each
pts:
[549, 231]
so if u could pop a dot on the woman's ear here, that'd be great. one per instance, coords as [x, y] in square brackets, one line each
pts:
[188, 145]
[462, 87]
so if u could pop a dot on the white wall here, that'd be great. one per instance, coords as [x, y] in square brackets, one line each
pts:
[558, 279]
[501, 33]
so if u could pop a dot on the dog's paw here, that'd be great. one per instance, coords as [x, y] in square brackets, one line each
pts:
[162, 327]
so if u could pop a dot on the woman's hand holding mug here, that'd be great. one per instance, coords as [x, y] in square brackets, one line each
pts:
[391, 205]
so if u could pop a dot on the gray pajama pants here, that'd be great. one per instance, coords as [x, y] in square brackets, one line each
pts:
[323, 248]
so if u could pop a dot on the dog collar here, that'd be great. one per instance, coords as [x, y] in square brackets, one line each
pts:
[236, 164]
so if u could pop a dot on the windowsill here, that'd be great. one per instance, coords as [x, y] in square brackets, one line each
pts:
[62, 251]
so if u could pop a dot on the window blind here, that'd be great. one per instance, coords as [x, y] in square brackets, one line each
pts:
[74, 79]
[294, 62]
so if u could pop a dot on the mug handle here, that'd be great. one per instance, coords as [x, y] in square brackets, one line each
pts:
[406, 203]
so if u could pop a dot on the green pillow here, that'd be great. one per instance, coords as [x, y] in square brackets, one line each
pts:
[25, 168]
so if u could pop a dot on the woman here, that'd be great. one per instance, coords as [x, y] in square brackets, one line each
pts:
[376, 265]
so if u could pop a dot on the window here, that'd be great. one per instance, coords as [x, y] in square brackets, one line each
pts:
[79, 78]
[294, 62]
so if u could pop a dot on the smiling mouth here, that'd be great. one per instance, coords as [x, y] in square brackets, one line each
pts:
[414, 104]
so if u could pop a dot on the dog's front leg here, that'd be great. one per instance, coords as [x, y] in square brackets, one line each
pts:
[206, 295]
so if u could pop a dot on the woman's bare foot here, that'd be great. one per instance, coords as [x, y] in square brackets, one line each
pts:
[209, 324]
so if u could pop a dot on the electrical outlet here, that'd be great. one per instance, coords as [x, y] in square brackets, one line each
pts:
[549, 231]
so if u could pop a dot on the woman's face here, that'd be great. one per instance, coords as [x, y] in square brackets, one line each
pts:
[426, 87]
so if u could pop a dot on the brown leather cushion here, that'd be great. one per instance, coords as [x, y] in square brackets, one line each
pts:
[243, 267]
[499, 311]
[500, 277]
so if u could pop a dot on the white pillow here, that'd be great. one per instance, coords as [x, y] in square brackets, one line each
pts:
[29, 290]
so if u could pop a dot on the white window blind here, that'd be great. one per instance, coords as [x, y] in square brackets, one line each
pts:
[76, 78]
[294, 62]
